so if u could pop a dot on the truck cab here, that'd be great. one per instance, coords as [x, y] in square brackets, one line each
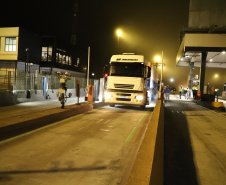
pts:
[127, 78]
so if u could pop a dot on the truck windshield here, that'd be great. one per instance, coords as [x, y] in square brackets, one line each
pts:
[126, 69]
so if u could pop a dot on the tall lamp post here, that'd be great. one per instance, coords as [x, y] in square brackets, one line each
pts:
[157, 59]
[162, 71]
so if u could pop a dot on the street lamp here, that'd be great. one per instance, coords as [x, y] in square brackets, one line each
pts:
[171, 80]
[119, 34]
[158, 59]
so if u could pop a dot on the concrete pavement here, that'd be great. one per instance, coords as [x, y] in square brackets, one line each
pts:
[20, 118]
[194, 142]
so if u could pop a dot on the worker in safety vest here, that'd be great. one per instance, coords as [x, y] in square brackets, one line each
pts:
[181, 91]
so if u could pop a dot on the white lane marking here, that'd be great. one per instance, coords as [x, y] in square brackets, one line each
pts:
[81, 128]
[107, 121]
[104, 130]
[99, 120]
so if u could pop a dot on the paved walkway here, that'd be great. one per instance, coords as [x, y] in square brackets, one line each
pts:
[195, 137]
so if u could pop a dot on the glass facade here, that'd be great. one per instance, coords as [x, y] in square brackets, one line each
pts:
[47, 53]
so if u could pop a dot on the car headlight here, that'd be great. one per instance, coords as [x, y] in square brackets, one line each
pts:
[108, 95]
[139, 97]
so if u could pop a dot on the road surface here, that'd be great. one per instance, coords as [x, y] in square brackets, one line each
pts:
[195, 149]
[96, 148]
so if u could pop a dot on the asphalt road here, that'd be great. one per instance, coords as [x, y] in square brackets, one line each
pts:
[96, 148]
[195, 149]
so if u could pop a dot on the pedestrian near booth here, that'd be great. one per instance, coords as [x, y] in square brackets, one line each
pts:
[167, 91]
[181, 91]
[187, 93]
[162, 95]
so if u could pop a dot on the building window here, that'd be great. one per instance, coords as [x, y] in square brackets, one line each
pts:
[10, 44]
[60, 58]
[69, 61]
[50, 53]
[47, 53]
[57, 57]
[44, 53]
[64, 59]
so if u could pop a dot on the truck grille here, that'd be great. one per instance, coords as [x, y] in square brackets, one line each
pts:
[124, 86]
[123, 99]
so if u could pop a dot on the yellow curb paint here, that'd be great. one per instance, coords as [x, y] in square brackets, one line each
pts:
[217, 104]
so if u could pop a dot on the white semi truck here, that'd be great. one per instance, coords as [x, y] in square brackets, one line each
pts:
[127, 78]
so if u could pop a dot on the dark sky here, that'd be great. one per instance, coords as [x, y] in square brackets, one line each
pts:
[148, 27]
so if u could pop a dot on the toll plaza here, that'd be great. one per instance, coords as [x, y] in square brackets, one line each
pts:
[203, 45]
[184, 142]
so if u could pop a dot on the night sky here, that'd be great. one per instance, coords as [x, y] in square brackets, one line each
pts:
[148, 27]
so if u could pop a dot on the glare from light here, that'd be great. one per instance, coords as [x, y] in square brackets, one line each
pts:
[139, 97]
[157, 58]
[216, 76]
[171, 80]
[181, 59]
[223, 52]
[211, 60]
[93, 74]
[119, 33]
[107, 95]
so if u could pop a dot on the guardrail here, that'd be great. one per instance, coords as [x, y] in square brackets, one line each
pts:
[148, 168]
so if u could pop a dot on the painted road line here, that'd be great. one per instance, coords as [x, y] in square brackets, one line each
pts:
[81, 128]
[104, 130]
[99, 120]
[107, 121]
[134, 131]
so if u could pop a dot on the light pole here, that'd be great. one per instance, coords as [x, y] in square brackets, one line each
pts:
[162, 71]
[157, 59]
[26, 67]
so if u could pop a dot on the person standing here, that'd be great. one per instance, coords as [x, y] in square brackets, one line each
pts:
[167, 93]
[187, 93]
[181, 91]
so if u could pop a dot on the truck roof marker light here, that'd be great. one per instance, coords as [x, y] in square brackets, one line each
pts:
[105, 75]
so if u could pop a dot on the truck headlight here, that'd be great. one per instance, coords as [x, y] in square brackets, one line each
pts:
[139, 97]
[108, 95]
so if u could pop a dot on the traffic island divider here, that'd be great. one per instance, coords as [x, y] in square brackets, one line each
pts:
[148, 167]
[218, 106]
[32, 121]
